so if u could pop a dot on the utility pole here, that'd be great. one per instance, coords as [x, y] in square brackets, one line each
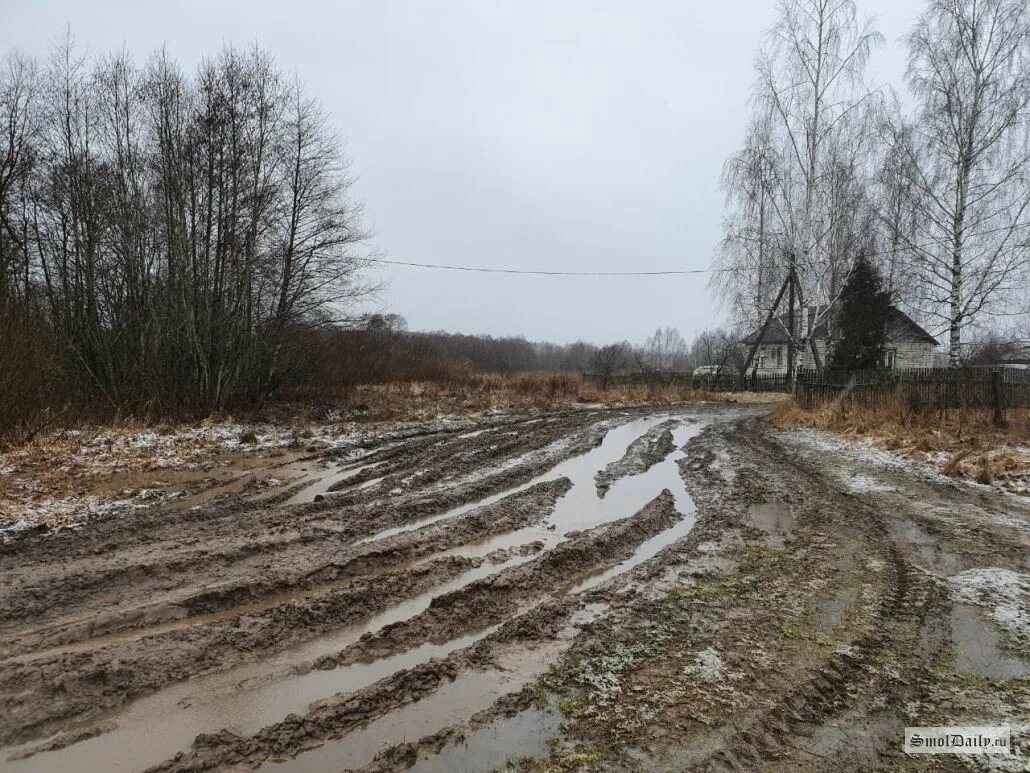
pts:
[761, 334]
[791, 280]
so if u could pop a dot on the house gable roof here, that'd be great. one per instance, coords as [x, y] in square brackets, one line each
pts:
[900, 329]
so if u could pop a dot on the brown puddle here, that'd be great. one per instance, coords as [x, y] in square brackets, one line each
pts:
[156, 727]
[934, 558]
[830, 612]
[451, 704]
[327, 479]
[489, 748]
[976, 646]
[774, 518]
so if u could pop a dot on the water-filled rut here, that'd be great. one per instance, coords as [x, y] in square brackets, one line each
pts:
[580, 537]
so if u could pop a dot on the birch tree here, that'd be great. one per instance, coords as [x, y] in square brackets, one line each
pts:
[969, 157]
[752, 248]
[813, 106]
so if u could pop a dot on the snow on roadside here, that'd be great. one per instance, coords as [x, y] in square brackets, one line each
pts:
[74, 511]
[1004, 592]
[860, 450]
[864, 450]
[71, 476]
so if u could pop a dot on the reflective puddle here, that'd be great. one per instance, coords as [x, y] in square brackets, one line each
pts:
[253, 695]
[977, 648]
[321, 485]
[524, 735]
[451, 704]
[583, 508]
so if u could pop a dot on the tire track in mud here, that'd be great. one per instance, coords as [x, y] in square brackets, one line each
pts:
[118, 680]
[907, 600]
[375, 578]
[498, 600]
[489, 600]
[368, 561]
[217, 539]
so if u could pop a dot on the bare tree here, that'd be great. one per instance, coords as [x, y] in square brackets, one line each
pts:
[665, 350]
[967, 157]
[751, 251]
[19, 125]
[797, 191]
[607, 361]
[180, 229]
[717, 346]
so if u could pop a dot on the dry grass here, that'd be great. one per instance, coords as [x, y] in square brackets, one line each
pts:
[959, 443]
[526, 391]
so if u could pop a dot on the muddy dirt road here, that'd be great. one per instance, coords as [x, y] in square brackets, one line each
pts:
[613, 590]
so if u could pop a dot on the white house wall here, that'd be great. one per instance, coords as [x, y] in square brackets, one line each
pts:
[909, 354]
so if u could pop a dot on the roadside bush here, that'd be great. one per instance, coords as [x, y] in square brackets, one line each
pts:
[30, 386]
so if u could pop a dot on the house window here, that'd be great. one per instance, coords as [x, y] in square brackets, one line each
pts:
[890, 359]
[779, 356]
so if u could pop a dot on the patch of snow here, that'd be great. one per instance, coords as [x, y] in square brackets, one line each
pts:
[860, 484]
[1014, 523]
[69, 512]
[707, 665]
[1005, 592]
[862, 451]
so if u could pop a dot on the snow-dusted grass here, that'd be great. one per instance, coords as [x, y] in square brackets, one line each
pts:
[67, 477]
[962, 444]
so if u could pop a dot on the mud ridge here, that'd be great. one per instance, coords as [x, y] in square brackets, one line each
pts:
[222, 640]
[229, 538]
[641, 455]
[334, 717]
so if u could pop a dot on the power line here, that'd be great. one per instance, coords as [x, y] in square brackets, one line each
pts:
[540, 272]
[482, 270]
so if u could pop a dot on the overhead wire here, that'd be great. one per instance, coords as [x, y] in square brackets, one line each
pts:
[668, 272]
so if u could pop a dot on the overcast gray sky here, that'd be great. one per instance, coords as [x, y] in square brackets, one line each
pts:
[572, 135]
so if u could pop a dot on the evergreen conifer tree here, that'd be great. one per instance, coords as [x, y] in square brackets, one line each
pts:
[863, 313]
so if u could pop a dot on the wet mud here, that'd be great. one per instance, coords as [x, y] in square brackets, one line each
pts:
[673, 589]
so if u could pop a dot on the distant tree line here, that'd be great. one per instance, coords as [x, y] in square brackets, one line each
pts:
[380, 349]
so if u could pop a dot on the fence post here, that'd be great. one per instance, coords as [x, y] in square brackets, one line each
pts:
[999, 418]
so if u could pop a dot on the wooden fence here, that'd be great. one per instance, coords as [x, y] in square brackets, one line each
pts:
[724, 382]
[924, 388]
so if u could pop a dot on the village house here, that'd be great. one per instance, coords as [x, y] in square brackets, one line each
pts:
[908, 345]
